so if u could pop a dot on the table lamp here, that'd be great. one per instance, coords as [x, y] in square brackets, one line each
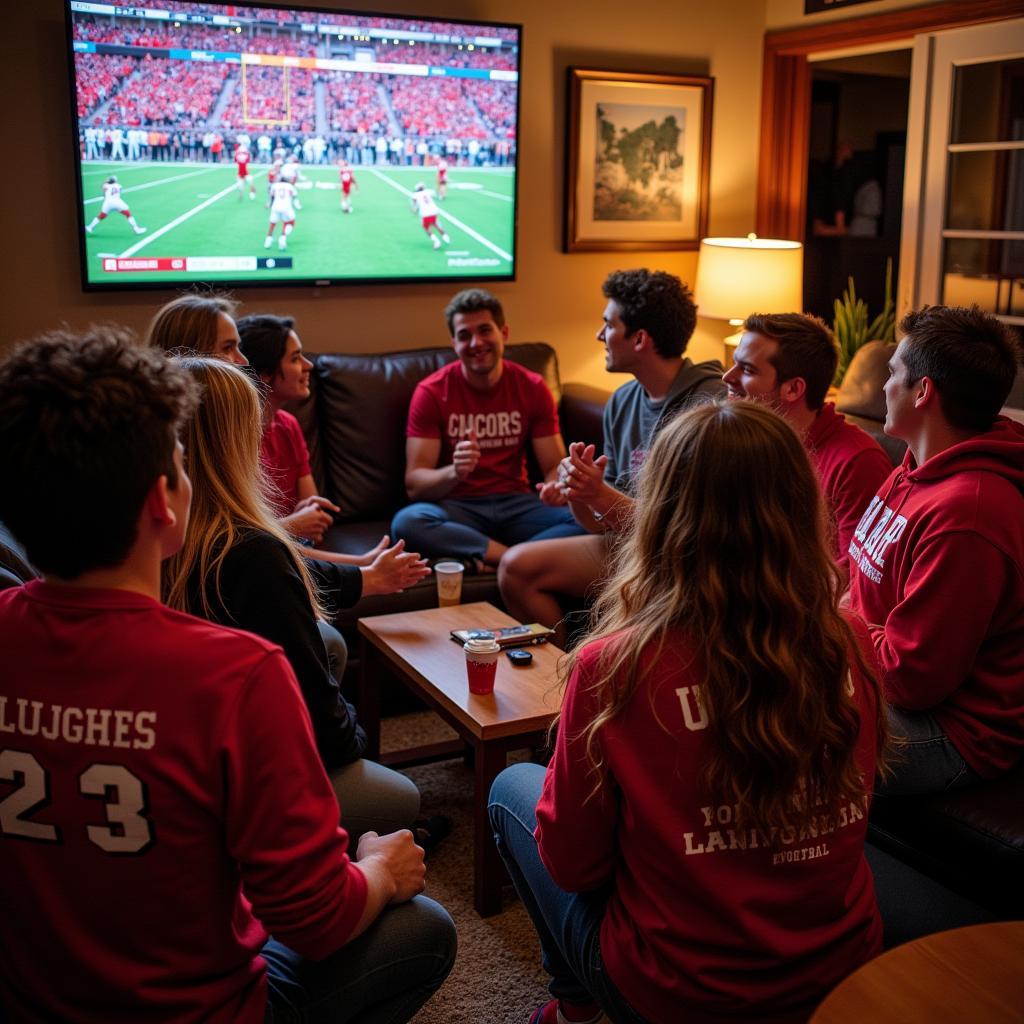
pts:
[740, 276]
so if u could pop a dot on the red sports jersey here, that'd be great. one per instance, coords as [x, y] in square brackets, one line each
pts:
[347, 177]
[242, 158]
[151, 765]
[518, 408]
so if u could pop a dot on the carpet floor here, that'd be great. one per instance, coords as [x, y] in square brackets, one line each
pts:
[497, 978]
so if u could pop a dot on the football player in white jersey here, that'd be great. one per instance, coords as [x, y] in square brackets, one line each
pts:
[282, 211]
[113, 203]
[423, 204]
[291, 173]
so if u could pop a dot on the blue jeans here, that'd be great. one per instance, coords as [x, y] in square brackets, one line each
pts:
[461, 527]
[382, 977]
[924, 759]
[568, 924]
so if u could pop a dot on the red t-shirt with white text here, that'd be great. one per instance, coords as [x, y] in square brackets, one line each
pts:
[166, 807]
[519, 407]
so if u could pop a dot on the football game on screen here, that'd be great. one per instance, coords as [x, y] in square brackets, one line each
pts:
[241, 144]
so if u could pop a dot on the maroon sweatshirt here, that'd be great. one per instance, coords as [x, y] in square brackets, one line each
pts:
[937, 569]
[705, 918]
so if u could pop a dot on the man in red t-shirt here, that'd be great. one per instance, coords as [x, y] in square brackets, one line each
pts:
[347, 180]
[164, 803]
[789, 360]
[466, 443]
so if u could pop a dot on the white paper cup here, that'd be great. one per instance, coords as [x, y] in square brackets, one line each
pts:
[481, 665]
[449, 583]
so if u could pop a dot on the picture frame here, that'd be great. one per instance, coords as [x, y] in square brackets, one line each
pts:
[638, 160]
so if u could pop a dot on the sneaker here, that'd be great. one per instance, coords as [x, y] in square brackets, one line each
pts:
[88, 230]
[252, 195]
[139, 231]
[446, 239]
[267, 242]
[437, 244]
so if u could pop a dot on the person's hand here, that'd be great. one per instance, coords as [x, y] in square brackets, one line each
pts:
[369, 557]
[394, 569]
[308, 523]
[551, 493]
[580, 475]
[317, 501]
[466, 456]
[400, 857]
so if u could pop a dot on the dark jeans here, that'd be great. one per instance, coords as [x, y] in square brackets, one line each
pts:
[568, 924]
[382, 977]
[461, 527]
[925, 760]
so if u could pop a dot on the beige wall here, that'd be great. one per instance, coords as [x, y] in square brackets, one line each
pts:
[557, 296]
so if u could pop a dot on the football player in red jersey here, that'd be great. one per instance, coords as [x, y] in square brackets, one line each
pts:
[242, 158]
[348, 182]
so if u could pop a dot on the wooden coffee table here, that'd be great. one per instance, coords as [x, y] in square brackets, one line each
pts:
[418, 648]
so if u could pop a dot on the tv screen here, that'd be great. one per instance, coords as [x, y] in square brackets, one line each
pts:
[262, 145]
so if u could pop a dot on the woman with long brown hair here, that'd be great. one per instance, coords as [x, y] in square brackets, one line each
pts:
[698, 852]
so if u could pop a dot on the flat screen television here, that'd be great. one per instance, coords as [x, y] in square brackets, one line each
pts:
[258, 145]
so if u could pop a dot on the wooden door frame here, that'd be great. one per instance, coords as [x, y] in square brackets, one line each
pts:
[786, 94]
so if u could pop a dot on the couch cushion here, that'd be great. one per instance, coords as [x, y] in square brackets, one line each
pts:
[971, 840]
[361, 404]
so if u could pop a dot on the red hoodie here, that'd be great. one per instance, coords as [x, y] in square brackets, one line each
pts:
[937, 566]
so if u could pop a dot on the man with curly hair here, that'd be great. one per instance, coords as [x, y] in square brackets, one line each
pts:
[648, 320]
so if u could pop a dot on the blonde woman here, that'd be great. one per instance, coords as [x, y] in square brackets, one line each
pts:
[205, 324]
[718, 740]
[239, 567]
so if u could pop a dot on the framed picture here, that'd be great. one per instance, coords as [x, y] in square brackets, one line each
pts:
[639, 149]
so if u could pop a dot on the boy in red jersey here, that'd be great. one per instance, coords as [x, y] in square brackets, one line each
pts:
[164, 804]
[937, 559]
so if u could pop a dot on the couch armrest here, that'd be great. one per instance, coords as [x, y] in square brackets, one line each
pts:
[581, 413]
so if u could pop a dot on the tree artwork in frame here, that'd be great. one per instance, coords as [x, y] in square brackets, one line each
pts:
[639, 150]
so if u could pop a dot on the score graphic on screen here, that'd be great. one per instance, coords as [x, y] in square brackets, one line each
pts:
[237, 144]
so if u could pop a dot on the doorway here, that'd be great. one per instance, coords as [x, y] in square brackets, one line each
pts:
[856, 157]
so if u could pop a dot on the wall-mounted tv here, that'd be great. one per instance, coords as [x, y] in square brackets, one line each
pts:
[261, 145]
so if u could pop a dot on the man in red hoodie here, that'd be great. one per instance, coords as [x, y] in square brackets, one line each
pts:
[937, 560]
[789, 360]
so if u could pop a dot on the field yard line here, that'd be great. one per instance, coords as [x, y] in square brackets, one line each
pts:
[142, 243]
[496, 195]
[455, 220]
[150, 184]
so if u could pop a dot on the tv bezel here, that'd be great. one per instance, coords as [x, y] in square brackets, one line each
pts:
[270, 282]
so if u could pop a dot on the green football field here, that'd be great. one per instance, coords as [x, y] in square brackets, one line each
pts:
[193, 210]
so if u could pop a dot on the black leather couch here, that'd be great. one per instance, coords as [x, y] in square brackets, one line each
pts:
[354, 423]
[967, 845]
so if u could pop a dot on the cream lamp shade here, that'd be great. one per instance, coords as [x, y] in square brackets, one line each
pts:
[740, 276]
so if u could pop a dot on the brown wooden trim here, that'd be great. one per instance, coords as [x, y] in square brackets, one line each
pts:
[878, 28]
[786, 95]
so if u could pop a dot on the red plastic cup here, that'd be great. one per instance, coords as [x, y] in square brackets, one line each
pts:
[481, 665]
